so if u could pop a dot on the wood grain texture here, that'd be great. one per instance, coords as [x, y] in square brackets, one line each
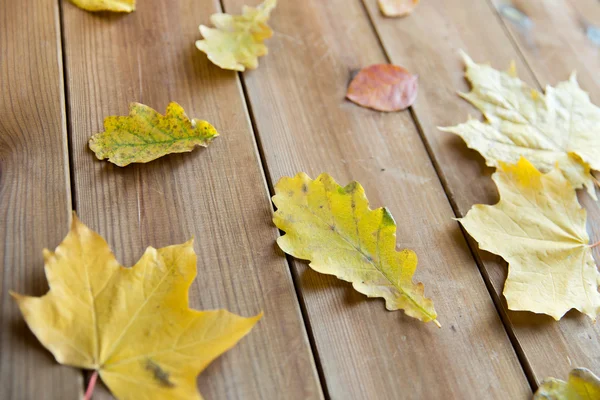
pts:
[304, 124]
[218, 194]
[35, 199]
[558, 41]
[431, 38]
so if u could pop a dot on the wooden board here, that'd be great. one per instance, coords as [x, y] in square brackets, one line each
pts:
[35, 199]
[319, 338]
[304, 124]
[216, 194]
[552, 54]
[548, 348]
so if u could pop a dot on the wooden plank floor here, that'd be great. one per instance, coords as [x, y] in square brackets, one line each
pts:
[62, 70]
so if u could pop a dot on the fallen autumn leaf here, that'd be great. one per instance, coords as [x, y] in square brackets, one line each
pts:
[538, 227]
[106, 5]
[397, 8]
[582, 385]
[132, 326]
[334, 228]
[145, 135]
[561, 127]
[383, 87]
[236, 42]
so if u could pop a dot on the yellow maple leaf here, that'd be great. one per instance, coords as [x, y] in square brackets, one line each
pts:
[236, 42]
[562, 126]
[132, 325]
[538, 227]
[582, 385]
[145, 135]
[106, 5]
[334, 228]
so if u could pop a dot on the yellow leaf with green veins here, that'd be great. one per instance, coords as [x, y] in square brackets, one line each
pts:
[132, 325]
[334, 228]
[106, 5]
[582, 385]
[561, 127]
[538, 227]
[236, 42]
[146, 135]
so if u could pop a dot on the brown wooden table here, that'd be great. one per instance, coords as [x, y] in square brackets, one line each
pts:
[62, 70]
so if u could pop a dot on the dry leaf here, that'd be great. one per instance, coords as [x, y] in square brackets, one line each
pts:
[383, 87]
[132, 325]
[145, 135]
[538, 227]
[236, 42]
[397, 8]
[106, 5]
[334, 228]
[561, 127]
[582, 385]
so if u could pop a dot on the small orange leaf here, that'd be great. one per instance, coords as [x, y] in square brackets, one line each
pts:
[397, 8]
[383, 87]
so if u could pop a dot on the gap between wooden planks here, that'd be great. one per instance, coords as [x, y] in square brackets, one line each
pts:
[304, 124]
[547, 348]
[216, 194]
[35, 199]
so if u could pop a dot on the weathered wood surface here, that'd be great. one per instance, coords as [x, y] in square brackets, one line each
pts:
[548, 348]
[557, 40]
[35, 199]
[217, 194]
[305, 124]
[220, 195]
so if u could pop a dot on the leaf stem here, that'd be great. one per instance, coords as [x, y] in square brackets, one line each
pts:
[595, 244]
[91, 385]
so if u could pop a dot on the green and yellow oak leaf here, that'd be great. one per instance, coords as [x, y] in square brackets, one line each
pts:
[582, 385]
[538, 227]
[145, 135]
[106, 5]
[334, 228]
[132, 325]
[236, 42]
[561, 127]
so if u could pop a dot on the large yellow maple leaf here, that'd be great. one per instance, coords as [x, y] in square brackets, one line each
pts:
[145, 135]
[334, 228]
[236, 42]
[538, 227]
[561, 127]
[106, 5]
[132, 325]
[582, 385]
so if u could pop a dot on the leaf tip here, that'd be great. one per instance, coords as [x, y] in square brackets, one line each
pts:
[16, 296]
[465, 57]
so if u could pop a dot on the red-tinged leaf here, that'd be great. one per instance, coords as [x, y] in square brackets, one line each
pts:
[383, 87]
